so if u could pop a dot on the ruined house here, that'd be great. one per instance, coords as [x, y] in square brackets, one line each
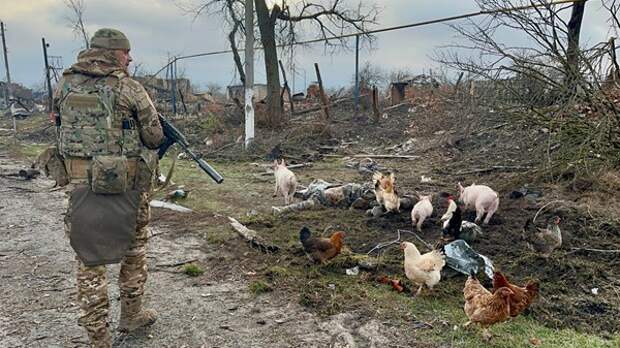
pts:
[409, 89]
[25, 95]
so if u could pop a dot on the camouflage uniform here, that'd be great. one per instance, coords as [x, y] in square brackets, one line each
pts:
[97, 65]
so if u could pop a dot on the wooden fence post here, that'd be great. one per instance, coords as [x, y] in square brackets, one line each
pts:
[322, 92]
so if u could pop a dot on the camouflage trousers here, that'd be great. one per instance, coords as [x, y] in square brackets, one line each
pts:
[92, 282]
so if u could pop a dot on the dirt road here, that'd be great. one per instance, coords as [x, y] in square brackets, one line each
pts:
[38, 293]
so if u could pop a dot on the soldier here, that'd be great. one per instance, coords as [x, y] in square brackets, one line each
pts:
[108, 129]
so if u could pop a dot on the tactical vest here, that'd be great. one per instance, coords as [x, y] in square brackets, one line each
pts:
[90, 124]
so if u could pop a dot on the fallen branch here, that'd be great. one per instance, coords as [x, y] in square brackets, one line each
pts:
[543, 207]
[375, 156]
[252, 237]
[320, 107]
[418, 238]
[493, 168]
[396, 106]
[219, 149]
[175, 264]
[598, 250]
[397, 240]
[478, 132]
[385, 244]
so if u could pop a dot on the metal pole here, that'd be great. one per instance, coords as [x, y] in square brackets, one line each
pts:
[249, 72]
[8, 93]
[6, 65]
[174, 86]
[50, 102]
[357, 74]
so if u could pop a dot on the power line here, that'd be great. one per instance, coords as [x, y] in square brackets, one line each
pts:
[380, 30]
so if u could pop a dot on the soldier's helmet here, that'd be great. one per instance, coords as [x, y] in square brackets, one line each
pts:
[111, 39]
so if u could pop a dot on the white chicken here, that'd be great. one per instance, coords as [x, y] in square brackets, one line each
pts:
[422, 269]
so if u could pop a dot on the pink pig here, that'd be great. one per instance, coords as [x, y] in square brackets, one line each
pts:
[286, 181]
[421, 211]
[482, 197]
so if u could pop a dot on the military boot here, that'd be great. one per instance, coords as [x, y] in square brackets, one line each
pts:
[100, 339]
[133, 316]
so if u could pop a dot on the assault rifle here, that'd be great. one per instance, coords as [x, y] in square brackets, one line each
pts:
[173, 135]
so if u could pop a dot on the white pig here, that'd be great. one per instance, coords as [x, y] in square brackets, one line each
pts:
[421, 211]
[482, 198]
[286, 181]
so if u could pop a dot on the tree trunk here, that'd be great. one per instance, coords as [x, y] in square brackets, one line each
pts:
[572, 52]
[266, 25]
[235, 51]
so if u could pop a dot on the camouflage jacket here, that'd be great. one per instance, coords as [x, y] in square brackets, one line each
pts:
[131, 101]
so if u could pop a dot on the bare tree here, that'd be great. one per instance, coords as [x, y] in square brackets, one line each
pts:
[284, 24]
[75, 19]
[400, 75]
[552, 75]
[322, 18]
[371, 75]
[232, 12]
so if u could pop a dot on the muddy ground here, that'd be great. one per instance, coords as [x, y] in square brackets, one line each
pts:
[247, 298]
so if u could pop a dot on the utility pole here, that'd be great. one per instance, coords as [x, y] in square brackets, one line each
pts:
[7, 94]
[357, 75]
[173, 84]
[249, 72]
[50, 101]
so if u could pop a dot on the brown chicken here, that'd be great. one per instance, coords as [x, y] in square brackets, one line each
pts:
[522, 297]
[484, 307]
[321, 249]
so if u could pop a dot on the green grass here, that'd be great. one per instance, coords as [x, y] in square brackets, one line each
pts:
[259, 287]
[193, 270]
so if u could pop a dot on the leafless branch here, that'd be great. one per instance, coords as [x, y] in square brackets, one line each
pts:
[75, 20]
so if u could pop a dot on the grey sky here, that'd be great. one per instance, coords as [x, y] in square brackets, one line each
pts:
[158, 28]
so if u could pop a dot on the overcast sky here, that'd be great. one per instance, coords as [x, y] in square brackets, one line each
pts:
[158, 28]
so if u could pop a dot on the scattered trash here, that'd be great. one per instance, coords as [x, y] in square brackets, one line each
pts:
[353, 271]
[376, 211]
[364, 166]
[462, 258]
[594, 291]
[252, 212]
[525, 192]
[470, 231]
[179, 193]
[331, 286]
[181, 155]
[171, 206]
[425, 179]
[367, 264]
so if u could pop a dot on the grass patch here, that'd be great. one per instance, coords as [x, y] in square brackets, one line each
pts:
[193, 270]
[258, 287]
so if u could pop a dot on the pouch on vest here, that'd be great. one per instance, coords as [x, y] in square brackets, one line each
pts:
[102, 227]
[109, 174]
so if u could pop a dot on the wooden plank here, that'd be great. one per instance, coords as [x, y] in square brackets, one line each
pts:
[324, 99]
[286, 87]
